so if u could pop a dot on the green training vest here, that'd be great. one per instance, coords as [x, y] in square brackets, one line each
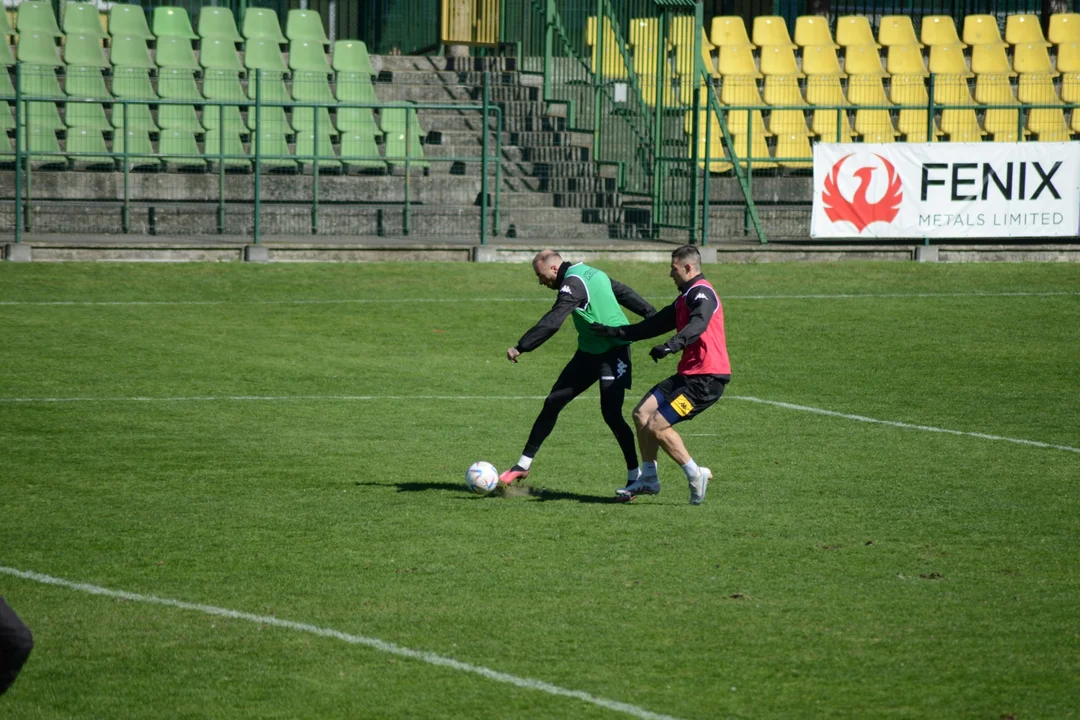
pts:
[602, 308]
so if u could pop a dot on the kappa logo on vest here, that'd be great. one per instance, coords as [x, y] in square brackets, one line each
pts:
[565, 289]
[620, 369]
[700, 296]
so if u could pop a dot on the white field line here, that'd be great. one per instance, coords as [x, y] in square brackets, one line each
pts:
[508, 398]
[367, 301]
[373, 643]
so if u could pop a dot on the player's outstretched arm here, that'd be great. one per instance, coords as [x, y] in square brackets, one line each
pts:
[657, 324]
[629, 299]
[569, 296]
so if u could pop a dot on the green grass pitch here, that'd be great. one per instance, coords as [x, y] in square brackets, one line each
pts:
[290, 442]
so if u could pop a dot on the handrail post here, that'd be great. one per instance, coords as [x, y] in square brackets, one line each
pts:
[930, 108]
[315, 172]
[484, 163]
[708, 169]
[256, 223]
[658, 112]
[125, 212]
[405, 222]
[549, 42]
[699, 69]
[221, 169]
[20, 130]
[498, 167]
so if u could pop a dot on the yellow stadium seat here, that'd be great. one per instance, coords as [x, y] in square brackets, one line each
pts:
[832, 126]
[821, 60]
[740, 90]
[1047, 121]
[745, 122]
[643, 31]
[1024, 30]
[756, 149]
[613, 65]
[961, 126]
[1032, 58]
[782, 90]
[990, 59]
[1070, 88]
[952, 90]
[948, 60]
[866, 90]
[1009, 136]
[788, 122]
[647, 86]
[779, 60]
[710, 136]
[1075, 124]
[874, 123]
[729, 30]
[994, 90]
[908, 90]
[1068, 58]
[1061, 135]
[1064, 28]
[736, 60]
[897, 30]
[811, 30]
[905, 60]
[825, 90]
[863, 60]
[771, 30]
[1037, 90]
[939, 30]
[1004, 123]
[854, 30]
[684, 58]
[982, 30]
[681, 30]
[793, 151]
[913, 125]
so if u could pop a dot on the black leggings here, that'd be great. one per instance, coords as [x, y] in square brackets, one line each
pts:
[577, 377]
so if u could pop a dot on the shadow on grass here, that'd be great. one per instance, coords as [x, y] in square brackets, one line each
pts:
[540, 494]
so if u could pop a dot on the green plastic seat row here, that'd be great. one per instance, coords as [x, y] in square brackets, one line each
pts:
[172, 22]
[82, 18]
[128, 20]
[351, 56]
[305, 25]
[262, 24]
[218, 23]
[308, 56]
[36, 16]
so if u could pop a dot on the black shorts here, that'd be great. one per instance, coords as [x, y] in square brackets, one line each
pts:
[682, 397]
[610, 369]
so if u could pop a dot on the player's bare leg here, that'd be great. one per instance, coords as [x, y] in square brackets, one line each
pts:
[672, 443]
[647, 483]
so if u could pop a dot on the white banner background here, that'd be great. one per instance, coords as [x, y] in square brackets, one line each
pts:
[862, 199]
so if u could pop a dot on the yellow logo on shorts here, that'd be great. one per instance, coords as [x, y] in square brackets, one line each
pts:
[682, 406]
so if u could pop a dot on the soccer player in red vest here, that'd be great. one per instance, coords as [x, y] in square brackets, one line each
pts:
[703, 373]
[16, 642]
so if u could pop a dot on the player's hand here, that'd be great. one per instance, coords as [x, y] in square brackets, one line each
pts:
[512, 354]
[659, 352]
[606, 331]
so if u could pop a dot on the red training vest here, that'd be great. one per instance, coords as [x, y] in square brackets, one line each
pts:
[708, 354]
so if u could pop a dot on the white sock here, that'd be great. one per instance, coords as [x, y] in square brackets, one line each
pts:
[524, 462]
[648, 468]
[691, 469]
[632, 475]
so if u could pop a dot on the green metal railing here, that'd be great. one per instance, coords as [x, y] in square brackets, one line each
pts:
[29, 107]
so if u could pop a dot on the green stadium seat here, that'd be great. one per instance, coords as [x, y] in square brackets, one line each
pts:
[172, 22]
[272, 118]
[133, 83]
[82, 18]
[6, 58]
[305, 25]
[139, 148]
[41, 81]
[218, 23]
[353, 120]
[223, 85]
[138, 117]
[36, 16]
[84, 50]
[303, 119]
[7, 120]
[175, 52]
[179, 149]
[263, 54]
[178, 84]
[38, 49]
[86, 147]
[43, 140]
[274, 150]
[396, 148]
[230, 144]
[262, 23]
[358, 150]
[273, 90]
[130, 51]
[130, 21]
[394, 120]
[355, 87]
[313, 87]
[179, 117]
[219, 54]
[5, 26]
[85, 83]
[306, 148]
[351, 56]
[308, 56]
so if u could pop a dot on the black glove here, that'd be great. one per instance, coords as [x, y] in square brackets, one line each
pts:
[606, 331]
[659, 352]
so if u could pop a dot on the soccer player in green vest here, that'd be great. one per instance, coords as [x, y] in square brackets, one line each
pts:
[590, 296]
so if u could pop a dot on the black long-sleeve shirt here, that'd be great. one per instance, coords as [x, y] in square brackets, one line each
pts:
[572, 295]
[702, 303]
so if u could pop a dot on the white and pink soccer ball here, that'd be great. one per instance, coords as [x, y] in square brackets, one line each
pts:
[481, 477]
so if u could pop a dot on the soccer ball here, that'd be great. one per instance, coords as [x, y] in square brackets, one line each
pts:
[481, 477]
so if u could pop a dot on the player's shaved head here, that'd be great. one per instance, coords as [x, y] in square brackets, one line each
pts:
[546, 257]
[687, 254]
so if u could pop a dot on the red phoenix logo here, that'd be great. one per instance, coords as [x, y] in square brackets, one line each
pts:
[859, 211]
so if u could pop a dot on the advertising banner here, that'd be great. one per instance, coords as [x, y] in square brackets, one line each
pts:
[946, 190]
